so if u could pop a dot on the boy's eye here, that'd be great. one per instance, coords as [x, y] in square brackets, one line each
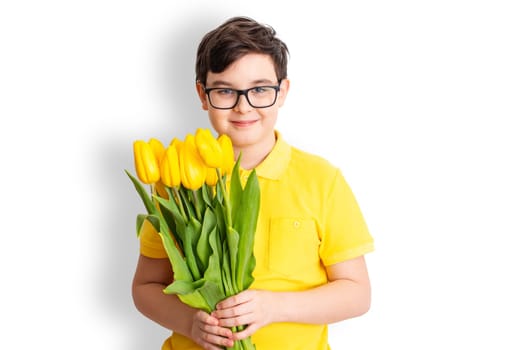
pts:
[259, 89]
[225, 92]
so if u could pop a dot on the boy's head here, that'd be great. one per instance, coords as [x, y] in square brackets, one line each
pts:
[235, 38]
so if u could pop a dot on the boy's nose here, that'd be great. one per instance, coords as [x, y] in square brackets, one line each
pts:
[242, 105]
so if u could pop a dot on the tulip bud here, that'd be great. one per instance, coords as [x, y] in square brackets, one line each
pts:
[211, 177]
[208, 148]
[193, 169]
[169, 167]
[227, 153]
[176, 142]
[146, 164]
[158, 148]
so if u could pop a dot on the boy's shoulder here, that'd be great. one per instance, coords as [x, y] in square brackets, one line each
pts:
[311, 162]
[300, 163]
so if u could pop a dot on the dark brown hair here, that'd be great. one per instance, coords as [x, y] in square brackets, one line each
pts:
[235, 38]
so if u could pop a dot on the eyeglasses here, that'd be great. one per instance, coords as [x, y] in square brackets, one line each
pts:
[257, 97]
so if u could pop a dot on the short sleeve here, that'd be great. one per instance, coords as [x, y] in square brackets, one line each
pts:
[344, 233]
[150, 242]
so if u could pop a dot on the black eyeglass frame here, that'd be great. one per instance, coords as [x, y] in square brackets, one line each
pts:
[244, 92]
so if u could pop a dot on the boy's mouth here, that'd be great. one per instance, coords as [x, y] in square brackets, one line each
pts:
[243, 123]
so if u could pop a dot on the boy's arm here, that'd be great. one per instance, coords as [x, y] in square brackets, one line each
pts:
[151, 277]
[346, 295]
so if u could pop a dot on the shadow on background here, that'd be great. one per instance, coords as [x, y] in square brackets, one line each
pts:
[120, 203]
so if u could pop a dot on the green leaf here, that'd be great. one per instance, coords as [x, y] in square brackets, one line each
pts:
[188, 293]
[246, 224]
[139, 222]
[187, 201]
[235, 190]
[167, 203]
[201, 294]
[154, 220]
[207, 195]
[203, 245]
[168, 214]
[144, 195]
[196, 226]
[213, 272]
[199, 203]
[227, 277]
[248, 279]
[232, 239]
[179, 215]
[183, 287]
[212, 293]
[189, 244]
[172, 214]
[248, 210]
[219, 195]
[221, 220]
[178, 264]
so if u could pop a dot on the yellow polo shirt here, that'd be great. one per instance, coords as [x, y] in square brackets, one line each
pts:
[308, 219]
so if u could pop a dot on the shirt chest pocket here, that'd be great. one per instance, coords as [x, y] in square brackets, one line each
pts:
[293, 246]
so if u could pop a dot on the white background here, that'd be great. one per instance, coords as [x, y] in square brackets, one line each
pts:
[420, 103]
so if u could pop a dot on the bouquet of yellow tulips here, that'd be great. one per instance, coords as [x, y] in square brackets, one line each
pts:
[205, 216]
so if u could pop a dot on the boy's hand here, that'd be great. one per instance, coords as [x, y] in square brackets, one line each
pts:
[251, 308]
[207, 332]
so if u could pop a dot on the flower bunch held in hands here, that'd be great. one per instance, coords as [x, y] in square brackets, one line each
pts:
[204, 215]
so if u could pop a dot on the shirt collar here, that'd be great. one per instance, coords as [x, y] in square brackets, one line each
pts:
[274, 165]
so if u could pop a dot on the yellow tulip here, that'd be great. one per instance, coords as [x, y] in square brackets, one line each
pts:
[192, 168]
[169, 167]
[176, 142]
[146, 164]
[211, 177]
[209, 148]
[227, 153]
[158, 148]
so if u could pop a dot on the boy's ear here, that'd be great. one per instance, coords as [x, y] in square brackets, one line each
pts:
[283, 92]
[202, 95]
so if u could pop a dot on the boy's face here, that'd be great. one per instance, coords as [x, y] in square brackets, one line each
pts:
[248, 127]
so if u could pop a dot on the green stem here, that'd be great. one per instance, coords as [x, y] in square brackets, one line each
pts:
[226, 199]
[175, 191]
[196, 199]
[151, 189]
[186, 202]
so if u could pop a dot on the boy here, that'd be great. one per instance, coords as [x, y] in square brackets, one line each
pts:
[311, 237]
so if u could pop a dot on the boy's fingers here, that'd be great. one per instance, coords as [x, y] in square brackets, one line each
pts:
[218, 330]
[206, 318]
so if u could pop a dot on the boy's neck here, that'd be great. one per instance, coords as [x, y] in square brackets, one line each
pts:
[253, 155]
